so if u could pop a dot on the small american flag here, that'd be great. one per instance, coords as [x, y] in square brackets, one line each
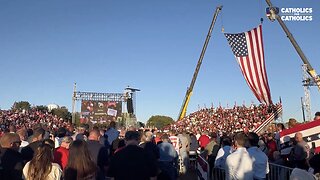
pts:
[248, 50]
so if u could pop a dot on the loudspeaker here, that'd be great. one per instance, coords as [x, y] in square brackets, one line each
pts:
[130, 106]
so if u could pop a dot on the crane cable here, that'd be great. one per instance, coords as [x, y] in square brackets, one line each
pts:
[221, 21]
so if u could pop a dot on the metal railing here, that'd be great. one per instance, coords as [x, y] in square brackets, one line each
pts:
[276, 172]
[202, 168]
[218, 174]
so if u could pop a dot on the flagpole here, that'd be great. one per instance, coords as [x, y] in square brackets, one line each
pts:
[302, 107]
[74, 98]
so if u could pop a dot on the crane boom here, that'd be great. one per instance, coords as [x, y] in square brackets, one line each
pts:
[186, 100]
[304, 59]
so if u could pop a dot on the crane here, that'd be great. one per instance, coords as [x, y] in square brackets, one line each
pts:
[274, 15]
[186, 100]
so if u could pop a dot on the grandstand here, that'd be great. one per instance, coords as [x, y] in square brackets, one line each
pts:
[229, 120]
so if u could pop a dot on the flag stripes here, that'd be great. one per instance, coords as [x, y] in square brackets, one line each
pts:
[248, 50]
[269, 120]
[310, 132]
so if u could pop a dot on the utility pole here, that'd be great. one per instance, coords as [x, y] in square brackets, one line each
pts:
[74, 103]
[302, 108]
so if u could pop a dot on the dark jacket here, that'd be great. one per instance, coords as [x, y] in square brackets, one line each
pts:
[11, 164]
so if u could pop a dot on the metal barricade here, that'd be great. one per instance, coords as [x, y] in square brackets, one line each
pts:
[218, 174]
[202, 168]
[193, 156]
[278, 172]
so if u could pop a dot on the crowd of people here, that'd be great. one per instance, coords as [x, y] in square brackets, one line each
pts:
[236, 119]
[27, 119]
[38, 145]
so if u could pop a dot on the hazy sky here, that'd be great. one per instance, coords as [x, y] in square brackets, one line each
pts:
[106, 45]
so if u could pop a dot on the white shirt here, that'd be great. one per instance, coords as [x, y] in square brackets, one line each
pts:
[23, 144]
[198, 136]
[239, 165]
[175, 141]
[57, 142]
[184, 143]
[222, 155]
[260, 162]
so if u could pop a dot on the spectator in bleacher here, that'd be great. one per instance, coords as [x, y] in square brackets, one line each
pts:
[223, 152]
[61, 154]
[41, 166]
[259, 158]
[132, 162]
[317, 116]
[300, 151]
[239, 165]
[225, 120]
[80, 164]
[37, 137]
[168, 158]
[292, 123]
[11, 161]
[98, 152]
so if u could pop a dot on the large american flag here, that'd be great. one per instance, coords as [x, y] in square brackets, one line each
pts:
[248, 50]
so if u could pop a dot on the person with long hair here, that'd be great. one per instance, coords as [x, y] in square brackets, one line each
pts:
[80, 165]
[41, 167]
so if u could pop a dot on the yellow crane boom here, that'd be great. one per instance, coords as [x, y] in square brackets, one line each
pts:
[186, 100]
